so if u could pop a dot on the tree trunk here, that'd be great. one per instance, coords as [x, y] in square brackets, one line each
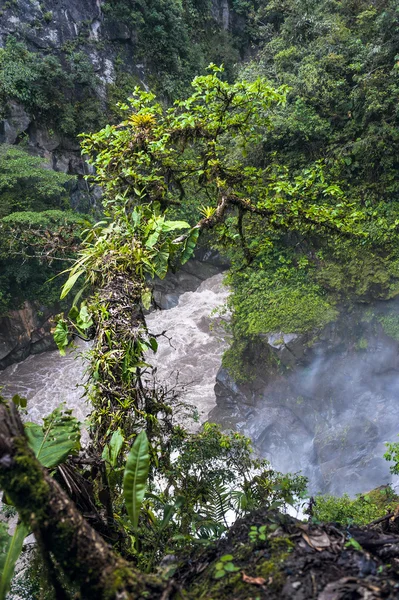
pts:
[77, 549]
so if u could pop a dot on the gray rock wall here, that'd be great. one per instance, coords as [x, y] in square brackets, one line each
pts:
[24, 331]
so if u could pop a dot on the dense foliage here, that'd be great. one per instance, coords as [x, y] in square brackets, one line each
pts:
[339, 62]
[60, 95]
[27, 184]
[176, 40]
[360, 510]
[296, 185]
[37, 229]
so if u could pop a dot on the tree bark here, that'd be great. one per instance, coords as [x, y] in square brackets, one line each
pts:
[76, 548]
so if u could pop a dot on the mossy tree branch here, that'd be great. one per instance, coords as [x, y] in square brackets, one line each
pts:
[75, 547]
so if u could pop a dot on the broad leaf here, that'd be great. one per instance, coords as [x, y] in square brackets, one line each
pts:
[189, 245]
[135, 477]
[60, 336]
[112, 450]
[153, 344]
[9, 559]
[56, 439]
[19, 401]
[160, 261]
[84, 320]
[146, 299]
[172, 225]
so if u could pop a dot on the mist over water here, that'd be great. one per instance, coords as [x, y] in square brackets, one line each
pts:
[331, 417]
[328, 418]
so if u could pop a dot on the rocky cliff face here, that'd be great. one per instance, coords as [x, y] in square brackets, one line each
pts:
[56, 27]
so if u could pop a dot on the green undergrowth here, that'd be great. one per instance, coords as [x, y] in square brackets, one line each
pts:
[247, 358]
[390, 325]
[355, 511]
[61, 94]
[293, 291]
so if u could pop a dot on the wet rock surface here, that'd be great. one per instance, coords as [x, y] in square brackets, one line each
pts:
[23, 332]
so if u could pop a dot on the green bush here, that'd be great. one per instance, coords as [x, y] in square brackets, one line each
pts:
[360, 510]
[60, 94]
[27, 185]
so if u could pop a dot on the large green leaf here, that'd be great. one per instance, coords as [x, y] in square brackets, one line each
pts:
[135, 477]
[5, 540]
[172, 225]
[189, 245]
[60, 336]
[8, 559]
[58, 437]
[112, 450]
[160, 261]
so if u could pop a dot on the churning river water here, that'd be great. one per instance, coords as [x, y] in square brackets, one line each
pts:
[189, 356]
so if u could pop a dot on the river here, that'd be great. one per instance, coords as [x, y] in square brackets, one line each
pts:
[189, 356]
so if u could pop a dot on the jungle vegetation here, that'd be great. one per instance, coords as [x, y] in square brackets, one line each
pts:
[287, 166]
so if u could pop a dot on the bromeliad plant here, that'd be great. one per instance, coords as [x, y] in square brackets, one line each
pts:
[117, 259]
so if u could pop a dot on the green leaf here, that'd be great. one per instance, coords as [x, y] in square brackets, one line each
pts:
[354, 544]
[114, 447]
[60, 336]
[169, 510]
[219, 574]
[146, 299]
[153, 238]
[172, 225]
[19, 401]
[59, 437]
[73, 313]
[7, 564]
[153, 344]
[5, 540]
[230, 567]
[70, 282]
[227, 558]
[160, 261]
[84, 320]
[189, 245]
[135, 477]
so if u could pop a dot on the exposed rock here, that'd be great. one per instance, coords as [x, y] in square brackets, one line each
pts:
[221, 13]
[115, 30]
[17, 122]
[330, 407]
[43, 139]
[24, 332]
[289, 347]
